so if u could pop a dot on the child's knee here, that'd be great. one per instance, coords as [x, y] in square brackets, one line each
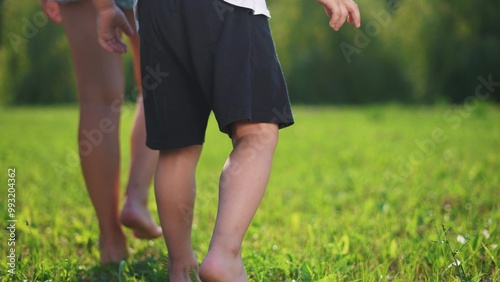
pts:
[261, 135]
[184, 153]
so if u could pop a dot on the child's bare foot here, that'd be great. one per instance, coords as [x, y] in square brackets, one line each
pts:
[183, 272]
[113, 248]
[137, 217]
[223, 267]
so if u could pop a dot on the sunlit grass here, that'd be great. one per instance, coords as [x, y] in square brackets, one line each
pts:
[356, 194]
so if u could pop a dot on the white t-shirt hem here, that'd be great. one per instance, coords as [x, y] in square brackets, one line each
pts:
[258, 7]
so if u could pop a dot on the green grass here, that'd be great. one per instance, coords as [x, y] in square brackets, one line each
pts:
[356, 194]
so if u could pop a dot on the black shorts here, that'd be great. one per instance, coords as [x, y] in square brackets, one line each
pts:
[199, 56]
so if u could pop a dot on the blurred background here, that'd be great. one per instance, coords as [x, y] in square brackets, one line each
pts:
[411, 51]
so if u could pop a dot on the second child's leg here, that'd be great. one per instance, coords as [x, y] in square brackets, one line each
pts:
[135, 213]
[242, 186]
[100, 91]
[175, 189]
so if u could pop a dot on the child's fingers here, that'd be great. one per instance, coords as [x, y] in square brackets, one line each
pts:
[126, 28]
[119, 45]
[340, 11]
[114, 46]
[112, 42]
[111, 23]
[354, 16]
[105, 45]
[338, 18]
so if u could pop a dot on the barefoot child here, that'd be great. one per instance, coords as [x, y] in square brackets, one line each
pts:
[211, 56]
[100, 91]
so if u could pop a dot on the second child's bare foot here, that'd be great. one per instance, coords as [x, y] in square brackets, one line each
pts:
[113, 249]
[223, 267]
[138, 218]
[183, 272]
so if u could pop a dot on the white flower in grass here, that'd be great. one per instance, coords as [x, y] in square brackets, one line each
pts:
[455, 263]
[486, 234]
[461, 239]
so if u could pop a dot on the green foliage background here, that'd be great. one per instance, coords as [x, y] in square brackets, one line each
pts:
[36, 65]
[405, 51]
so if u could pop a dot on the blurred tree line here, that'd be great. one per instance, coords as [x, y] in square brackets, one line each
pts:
[408, 51]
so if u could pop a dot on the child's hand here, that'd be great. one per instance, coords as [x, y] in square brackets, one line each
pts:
[110, 23]
[51, 9]
[340, 10]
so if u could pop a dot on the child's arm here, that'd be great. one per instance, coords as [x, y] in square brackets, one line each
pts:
[340, 10]
[111, 21]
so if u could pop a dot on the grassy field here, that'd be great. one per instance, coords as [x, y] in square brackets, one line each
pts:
[356, 194]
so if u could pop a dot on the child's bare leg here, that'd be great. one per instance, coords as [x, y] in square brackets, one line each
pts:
[135, 213]
[100, 90]
[242, 186]
[175, 189]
